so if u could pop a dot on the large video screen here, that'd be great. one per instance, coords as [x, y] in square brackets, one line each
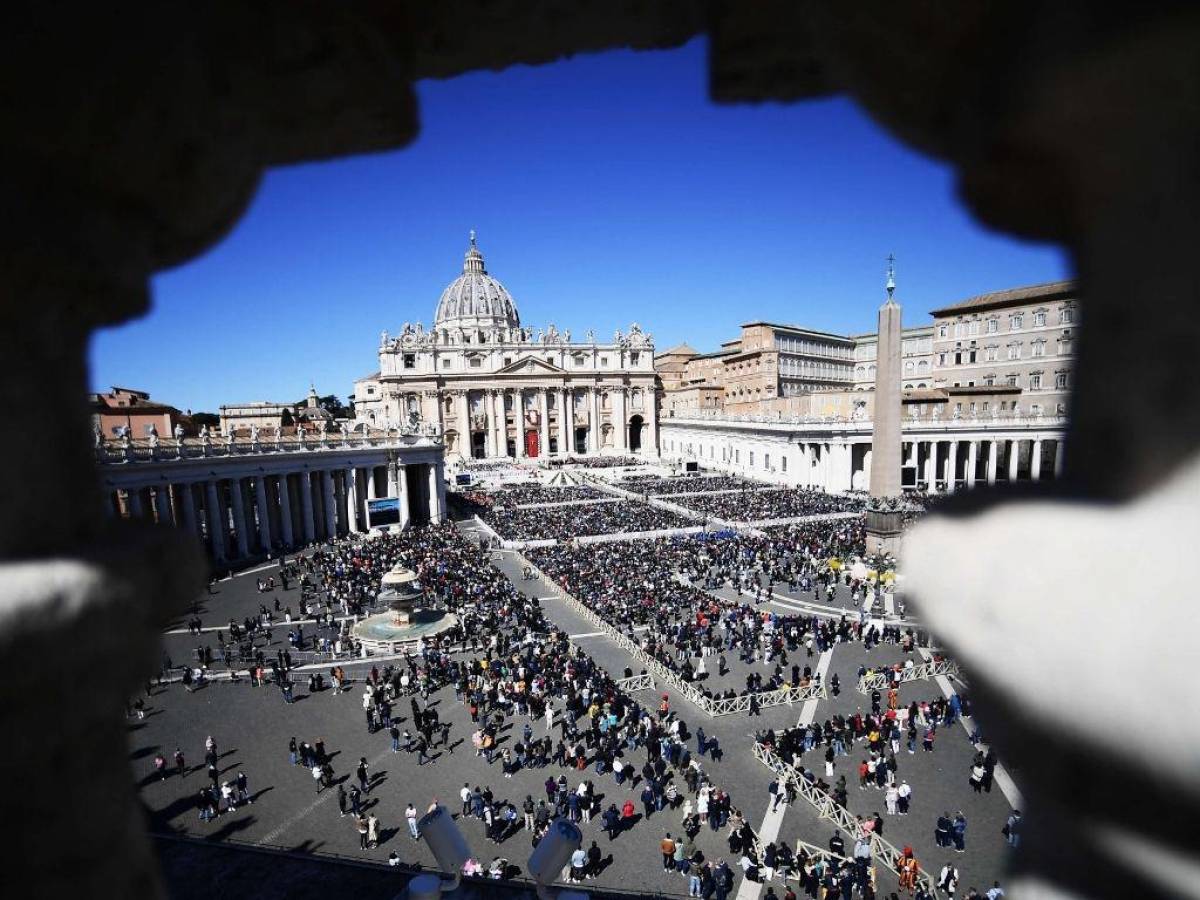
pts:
[383, 512]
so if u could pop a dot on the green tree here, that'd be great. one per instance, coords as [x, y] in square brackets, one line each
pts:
[285, 419]
[204, 418]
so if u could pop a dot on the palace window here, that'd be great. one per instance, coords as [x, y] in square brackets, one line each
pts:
[992, 353]
[634, 356]
[767, 461]
[993, 325]
[1064, 346]
[941, 331]
[783, 463]
[1066, 316]
[476, 362]
[1039, 318]
[1039, 348]
[1035, 381]
[410, 361]
[1016, 322]
[941, 359]
[1061, 380]
[1014, 351]
[1014, 380]
[752, 459]
[604, 361]
[370, 392]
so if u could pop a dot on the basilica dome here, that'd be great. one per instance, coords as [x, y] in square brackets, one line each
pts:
[475, 299]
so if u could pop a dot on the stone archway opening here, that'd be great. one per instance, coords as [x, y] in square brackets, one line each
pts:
[635, 434]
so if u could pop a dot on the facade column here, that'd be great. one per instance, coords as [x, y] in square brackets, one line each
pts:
[216, 522]
[931, 468]
[543, 422]
[501, 424]
[329, 503]
[620, 425]
[803, 465]
[285, 511]
[566, 422]
[952, 467]
[650, 413]
[1058, 458]
[398, 477]
[972, 462]
[351, 482]
[489, 423]
[162, 504]
[519, 421]
[594, 438]
[239, 516]
[991, 461]
[1014, 459]
[1035, 462]
[370, 482]
[307, 524]
[437, 493]
[264, 514]
[464, 425]
[184, 496]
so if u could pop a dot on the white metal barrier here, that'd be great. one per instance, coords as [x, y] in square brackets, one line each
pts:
[886, 678]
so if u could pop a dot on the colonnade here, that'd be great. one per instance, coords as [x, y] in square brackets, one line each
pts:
[241, 515]
[566, 420]
[944, 465]
[840, 462]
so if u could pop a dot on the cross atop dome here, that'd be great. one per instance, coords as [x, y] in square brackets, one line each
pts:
[473, 261]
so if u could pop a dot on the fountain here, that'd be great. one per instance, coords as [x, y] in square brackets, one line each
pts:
[408, 619]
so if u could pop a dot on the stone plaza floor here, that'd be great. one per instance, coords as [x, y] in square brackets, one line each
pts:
[253, 725]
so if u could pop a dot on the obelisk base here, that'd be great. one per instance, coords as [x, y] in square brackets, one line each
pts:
[883, 533]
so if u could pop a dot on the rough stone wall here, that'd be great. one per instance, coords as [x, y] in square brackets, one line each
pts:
[135, 141]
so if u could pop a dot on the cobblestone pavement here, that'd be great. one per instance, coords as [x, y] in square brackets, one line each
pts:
[253, 726]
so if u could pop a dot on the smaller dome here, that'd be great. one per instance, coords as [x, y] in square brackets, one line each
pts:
[475, 299]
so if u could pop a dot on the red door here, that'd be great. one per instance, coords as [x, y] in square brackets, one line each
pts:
[531, 444]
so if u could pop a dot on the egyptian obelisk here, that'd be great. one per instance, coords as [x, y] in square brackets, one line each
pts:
[883, 527]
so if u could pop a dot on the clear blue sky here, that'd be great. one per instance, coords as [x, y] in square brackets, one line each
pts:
[605, 190]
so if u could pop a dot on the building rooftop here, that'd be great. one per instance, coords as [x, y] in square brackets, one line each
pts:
[684, 349]
[796, 329]
[1051, 290]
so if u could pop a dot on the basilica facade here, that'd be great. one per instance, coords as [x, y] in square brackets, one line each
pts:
[497, 388]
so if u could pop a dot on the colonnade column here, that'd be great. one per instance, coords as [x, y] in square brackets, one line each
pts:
[370, 482]
[543, 423]
[501, 424]
[329, 503]
[306, 507]
[239, 517]
[1014, 459]
[183, 495]
[991, 462]
[285, 511]
[931, 468]
[352, 499]
[972, 462]
[216, 522]
[566, 422]
[952, 467]
[1058, 458]
[264, 513]
[162, 504]
[1035, 462]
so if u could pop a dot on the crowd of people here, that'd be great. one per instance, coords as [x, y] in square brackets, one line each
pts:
[595, 462]
[764, 504]
[563, 523]
[689, 484]
[660, 593]
[525, 494]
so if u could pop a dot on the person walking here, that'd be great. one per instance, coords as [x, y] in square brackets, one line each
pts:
[959, 833]
[1012, 829]
[363, 831]
[341, 801]
[410, 816]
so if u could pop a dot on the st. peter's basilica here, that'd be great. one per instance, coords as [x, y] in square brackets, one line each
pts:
[496, 388]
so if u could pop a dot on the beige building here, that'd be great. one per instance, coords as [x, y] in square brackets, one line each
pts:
[496, 388]
[1012, 347]
[267, 415]
[916, 355]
